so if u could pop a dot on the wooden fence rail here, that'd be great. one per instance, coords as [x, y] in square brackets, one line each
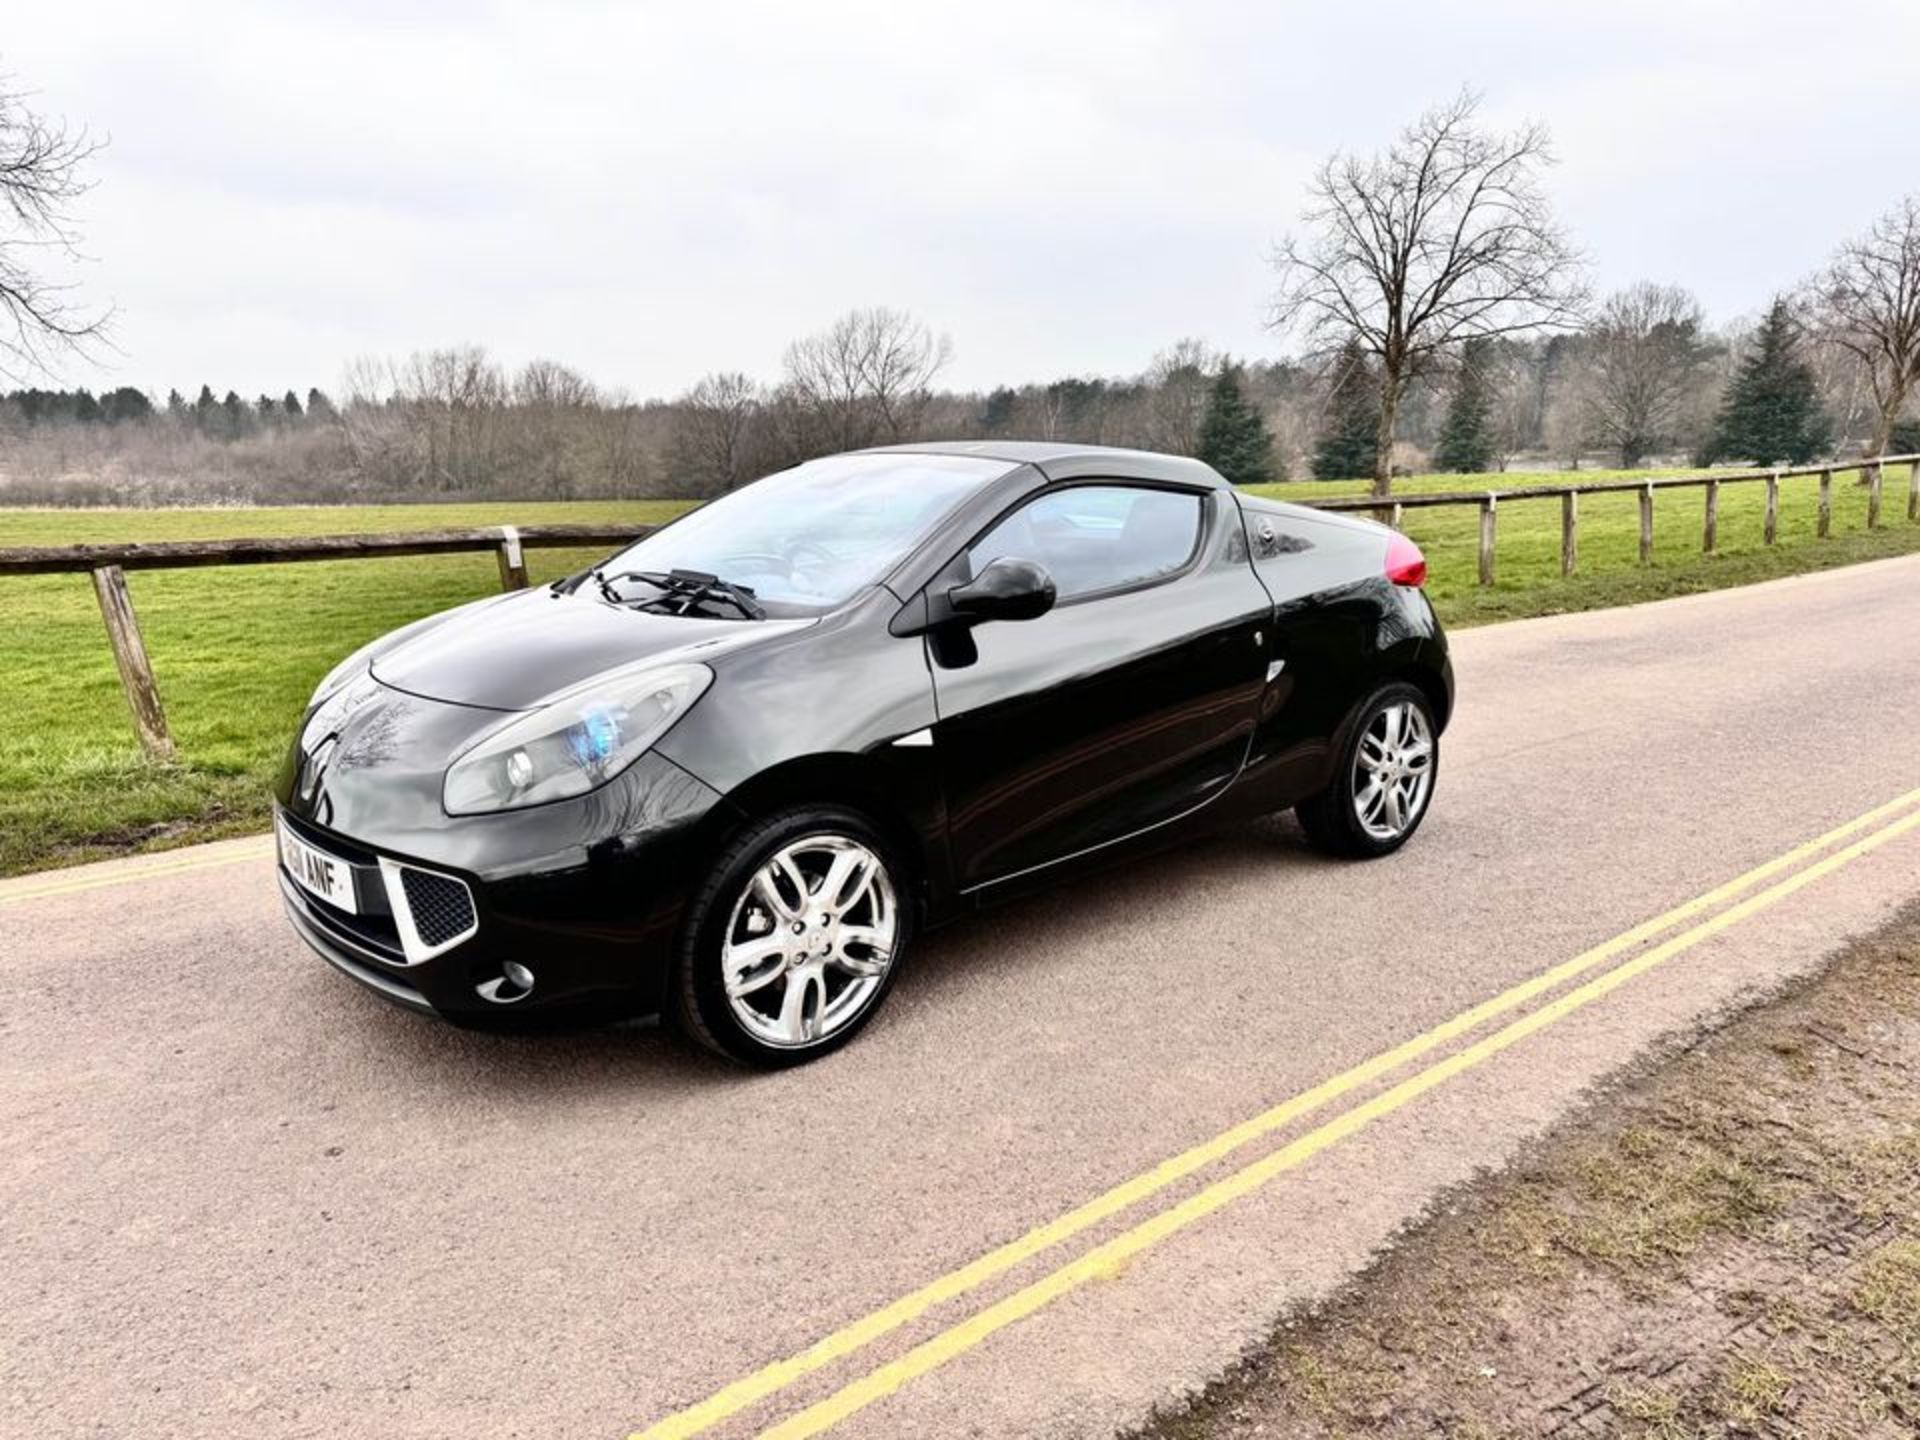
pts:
[1393, 510]
[108, 564]
[506, 540]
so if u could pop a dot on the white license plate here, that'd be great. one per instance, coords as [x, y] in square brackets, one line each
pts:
[317, 872]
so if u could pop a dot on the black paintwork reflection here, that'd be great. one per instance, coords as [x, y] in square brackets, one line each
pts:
[513, 653]
[1103, 717]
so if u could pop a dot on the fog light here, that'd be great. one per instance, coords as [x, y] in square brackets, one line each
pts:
[514, 982]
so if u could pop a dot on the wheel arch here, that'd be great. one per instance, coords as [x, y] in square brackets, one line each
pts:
[1426, 678]
[860, 782]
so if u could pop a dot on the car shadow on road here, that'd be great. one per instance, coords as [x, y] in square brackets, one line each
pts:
[1132, 898]
[546, 1066]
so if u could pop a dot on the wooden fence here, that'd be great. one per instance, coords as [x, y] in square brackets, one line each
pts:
[108, 564]
[1392, 510]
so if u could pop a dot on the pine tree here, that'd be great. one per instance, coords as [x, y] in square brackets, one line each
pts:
[319, 407]
[1350, 434]
[290, 404]
[125, 403]
[1466, 437]
[1234, 439]
[1772, 412]
[998, 414]
[238, 416]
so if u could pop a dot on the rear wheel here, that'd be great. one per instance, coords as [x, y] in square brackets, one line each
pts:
[1383, 779]
[794, 939]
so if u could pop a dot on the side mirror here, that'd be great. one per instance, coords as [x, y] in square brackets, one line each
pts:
[1007, 589]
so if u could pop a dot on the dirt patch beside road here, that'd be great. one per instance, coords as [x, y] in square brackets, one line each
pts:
[1728, 1244]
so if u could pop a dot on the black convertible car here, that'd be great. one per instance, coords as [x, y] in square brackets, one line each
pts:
[731, 772]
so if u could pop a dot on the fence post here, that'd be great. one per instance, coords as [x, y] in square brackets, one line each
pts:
[1710, 529]
[513, 560]
[1873, 497]
[1569, 532]
[1826, 504]
[1399, 515]
[1913, 491]
[130, 657]
[1486, 537]
[1770, 527]
[1646, 523]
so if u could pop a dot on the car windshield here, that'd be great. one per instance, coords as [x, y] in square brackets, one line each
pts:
[813, 535]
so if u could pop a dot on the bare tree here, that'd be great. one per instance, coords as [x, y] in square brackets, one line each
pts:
[454, 397]
[549, 385]
[1177, 385]
[901, 357]
[1566, 407]
[40, 179]
[1647, 371]
[1445, 236]
[713, 433]
[1846, 391]
[549, 445]
[1519, 399]
[1867, 304]
[865, 378]
[1287, 394]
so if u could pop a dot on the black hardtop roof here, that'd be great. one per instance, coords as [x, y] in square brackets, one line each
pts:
[1061, 461]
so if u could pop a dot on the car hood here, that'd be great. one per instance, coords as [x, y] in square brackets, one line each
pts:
[514, 652]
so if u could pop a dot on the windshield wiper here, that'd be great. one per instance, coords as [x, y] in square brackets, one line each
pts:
[567, 584]
[682, 590]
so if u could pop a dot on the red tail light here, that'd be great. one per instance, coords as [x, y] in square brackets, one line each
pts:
[1405, 564]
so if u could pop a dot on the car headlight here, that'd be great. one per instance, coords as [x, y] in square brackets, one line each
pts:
[575, 742]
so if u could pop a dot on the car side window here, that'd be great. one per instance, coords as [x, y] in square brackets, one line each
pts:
[1097, 537]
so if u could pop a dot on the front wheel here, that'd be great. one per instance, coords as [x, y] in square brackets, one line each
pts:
[1382, 780]
[794, 939]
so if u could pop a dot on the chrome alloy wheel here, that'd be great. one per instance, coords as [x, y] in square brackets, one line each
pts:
[809, 941]
[1393, 771]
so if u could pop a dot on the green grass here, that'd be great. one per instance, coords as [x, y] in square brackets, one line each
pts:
[1527, 569]
[237, 651]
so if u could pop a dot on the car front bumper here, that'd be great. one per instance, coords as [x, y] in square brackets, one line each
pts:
[593, 926]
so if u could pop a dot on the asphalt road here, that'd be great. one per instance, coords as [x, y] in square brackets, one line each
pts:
[237, 1196]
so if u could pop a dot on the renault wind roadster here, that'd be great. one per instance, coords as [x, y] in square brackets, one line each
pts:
[729, 774]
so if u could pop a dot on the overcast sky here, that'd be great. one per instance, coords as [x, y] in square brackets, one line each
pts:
[651, 191]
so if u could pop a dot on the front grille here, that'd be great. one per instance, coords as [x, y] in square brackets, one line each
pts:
[405, 915]
[331, 841]
[375, 931]
[442, 908]
[317, 924]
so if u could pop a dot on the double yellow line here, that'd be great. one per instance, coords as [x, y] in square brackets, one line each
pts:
[15, 892]
[1106, 1257]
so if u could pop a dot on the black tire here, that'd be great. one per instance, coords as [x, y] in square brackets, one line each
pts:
[701, 1005]
[1331, 818]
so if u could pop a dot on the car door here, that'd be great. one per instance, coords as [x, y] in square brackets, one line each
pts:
[1127, 704]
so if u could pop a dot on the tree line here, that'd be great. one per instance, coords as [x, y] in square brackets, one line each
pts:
[229, 418]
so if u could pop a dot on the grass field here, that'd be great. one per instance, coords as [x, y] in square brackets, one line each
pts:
[237, 651]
